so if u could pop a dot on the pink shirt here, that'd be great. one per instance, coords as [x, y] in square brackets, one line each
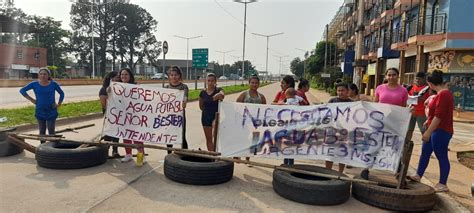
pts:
[397, 96]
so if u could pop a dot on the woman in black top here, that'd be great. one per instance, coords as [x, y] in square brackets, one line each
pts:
[176, 82]
[208, 102]
[111, 76]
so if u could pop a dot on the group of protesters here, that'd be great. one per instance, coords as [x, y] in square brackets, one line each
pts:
[433, 111]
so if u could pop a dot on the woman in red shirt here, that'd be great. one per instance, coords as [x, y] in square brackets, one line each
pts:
[439, 130]
[280, 99]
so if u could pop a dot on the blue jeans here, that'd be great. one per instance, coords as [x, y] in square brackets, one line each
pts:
[438, 143]
[50, 124]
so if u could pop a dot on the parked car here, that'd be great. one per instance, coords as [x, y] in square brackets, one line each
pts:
[223, 78]
[159, 76]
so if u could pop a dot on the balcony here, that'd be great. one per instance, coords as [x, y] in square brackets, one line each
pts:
[434, 31]
[406, 5]
[349, 3]
[398, 40]
[387, 14]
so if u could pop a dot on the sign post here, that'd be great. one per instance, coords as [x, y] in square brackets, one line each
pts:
[165, 50]
[200, 60]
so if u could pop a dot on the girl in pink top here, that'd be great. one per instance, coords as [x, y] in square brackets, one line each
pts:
[391, 92]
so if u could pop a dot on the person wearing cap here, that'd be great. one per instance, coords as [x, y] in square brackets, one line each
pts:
[46, 108]
[208, 102]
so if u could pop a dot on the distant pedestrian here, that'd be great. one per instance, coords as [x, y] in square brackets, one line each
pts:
[126, 76]
[103, 95]
[303, 87]
[176, 82]
[439, 130]
[209, 104]
[342, 90]
[354, 93]
[252, 95]
[46, 108]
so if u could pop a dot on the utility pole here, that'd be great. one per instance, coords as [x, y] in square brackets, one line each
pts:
[187, 51]
[279, 72]
[326, 47]
[359, 63]
[245, 28]
[268, 37]
[223, 60]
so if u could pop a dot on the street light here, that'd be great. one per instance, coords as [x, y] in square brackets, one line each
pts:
[223, 61]
[92, 30]
[304, 62]
[279, 56]
[245, 2]
[268, 37]
[187, 51]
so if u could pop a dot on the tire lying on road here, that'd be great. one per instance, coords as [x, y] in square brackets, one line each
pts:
[416, 197]
[197, 171]
[309, 189]
[7, 148]
[63, 155]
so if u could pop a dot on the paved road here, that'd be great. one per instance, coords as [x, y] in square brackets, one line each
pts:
[11, 98]
[122, 187]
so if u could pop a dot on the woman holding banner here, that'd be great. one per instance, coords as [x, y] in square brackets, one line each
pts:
[252, 95]
[280, 99]
[111, 76]
[176, 82]
[209, 102]
[126, 76]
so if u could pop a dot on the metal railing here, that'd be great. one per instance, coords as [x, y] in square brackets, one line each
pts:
[397, 35]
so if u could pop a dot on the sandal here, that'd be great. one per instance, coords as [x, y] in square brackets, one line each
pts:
[415, 178]
[441, 188]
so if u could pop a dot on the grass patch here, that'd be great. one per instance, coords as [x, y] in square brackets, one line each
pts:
[25, 115]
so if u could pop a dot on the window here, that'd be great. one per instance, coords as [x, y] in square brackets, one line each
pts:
[19, 54]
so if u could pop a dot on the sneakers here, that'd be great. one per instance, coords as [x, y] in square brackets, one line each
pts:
[441, 188]
[127, 158]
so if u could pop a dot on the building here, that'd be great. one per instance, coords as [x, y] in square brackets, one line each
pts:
[17, 61]
[412, 35]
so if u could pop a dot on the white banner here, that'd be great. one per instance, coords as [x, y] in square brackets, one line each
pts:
[147, 114]
[360, 134]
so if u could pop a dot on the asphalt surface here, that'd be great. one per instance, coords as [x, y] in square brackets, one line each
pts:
[11, 97]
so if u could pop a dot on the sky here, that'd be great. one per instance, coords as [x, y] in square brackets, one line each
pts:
[220, 22]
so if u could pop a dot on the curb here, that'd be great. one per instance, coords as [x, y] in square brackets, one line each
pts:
[464, 121]
[61, 121]
[445, 203]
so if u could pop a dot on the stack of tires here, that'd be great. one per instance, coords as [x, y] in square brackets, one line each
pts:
[7, 148]
[67, 155]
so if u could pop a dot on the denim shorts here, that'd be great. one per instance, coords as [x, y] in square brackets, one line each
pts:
[207, 118]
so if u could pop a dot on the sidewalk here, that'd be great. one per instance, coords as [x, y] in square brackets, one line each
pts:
[460, 177]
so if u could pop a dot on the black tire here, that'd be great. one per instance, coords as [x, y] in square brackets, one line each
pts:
[4, 131]
[311, 189]
[9, 149]
[61, 155]
[197, 171]
[416, 197]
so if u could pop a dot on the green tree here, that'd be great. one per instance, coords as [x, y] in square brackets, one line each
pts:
[237, 68]
[297, 67]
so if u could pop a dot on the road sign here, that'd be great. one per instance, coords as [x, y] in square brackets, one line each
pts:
[325, 75]
[165, 47]
[200, 58]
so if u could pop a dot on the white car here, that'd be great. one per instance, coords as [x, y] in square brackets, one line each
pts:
[223, 78]
[159, 76]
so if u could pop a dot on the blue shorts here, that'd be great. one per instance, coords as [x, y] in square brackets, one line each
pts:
[207, 118]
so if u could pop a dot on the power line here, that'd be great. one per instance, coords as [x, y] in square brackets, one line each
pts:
[230, 14]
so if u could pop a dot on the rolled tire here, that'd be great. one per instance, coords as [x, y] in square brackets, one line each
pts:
[309, 189]
[9, 149]
[4, 131]
[197, 171]
[416, 197]
[62, 155]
